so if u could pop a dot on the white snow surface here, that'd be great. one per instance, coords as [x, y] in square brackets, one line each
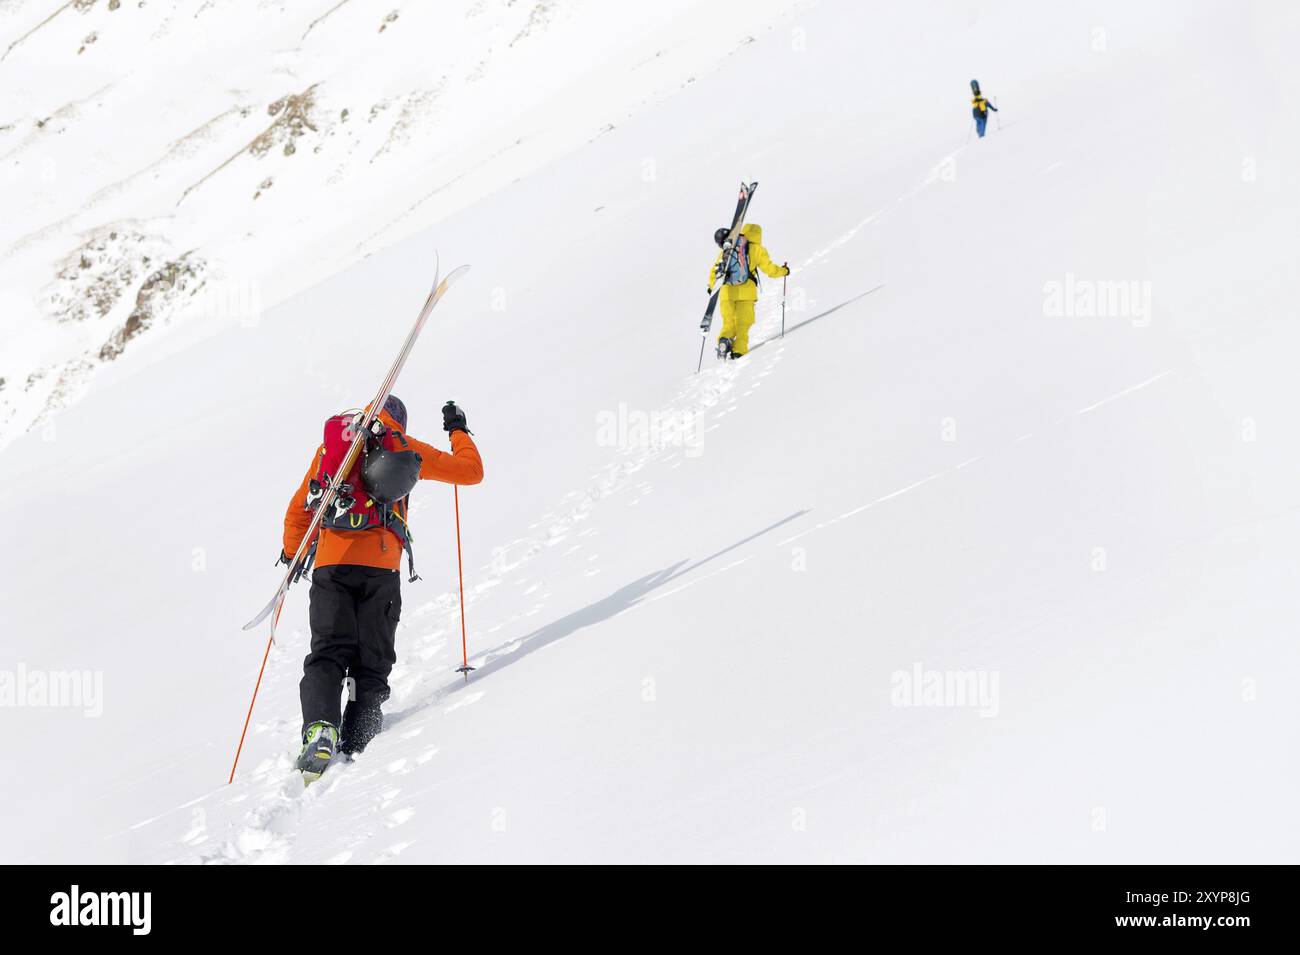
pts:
[693, 600]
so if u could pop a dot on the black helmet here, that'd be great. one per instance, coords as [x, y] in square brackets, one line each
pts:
[389, 476]
[720, 235]
[975, 87]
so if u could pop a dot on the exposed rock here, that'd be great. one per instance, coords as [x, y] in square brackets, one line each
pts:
[539, 18]
[92, 280]
[293, 119]
[159, 291]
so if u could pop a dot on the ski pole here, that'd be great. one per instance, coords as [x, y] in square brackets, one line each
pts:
[785, 278]
[700, 364]
[251, 703]
[460, 572]
[997, 115]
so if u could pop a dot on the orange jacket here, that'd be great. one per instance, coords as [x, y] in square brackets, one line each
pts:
[377, 546]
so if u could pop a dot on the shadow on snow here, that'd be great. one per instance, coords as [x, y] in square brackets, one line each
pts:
[816, 318]
[625, 598]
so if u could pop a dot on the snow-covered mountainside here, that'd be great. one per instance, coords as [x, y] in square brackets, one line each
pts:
[990, 558]
[189, 165]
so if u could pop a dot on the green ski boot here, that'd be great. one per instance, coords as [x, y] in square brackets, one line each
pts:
[320, 742]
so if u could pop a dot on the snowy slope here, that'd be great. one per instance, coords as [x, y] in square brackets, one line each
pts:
[693, 600]
[168, 170]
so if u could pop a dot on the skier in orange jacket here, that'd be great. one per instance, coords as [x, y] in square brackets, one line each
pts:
[356, 598]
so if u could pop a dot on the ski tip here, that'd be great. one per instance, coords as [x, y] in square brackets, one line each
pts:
[266, 612]
[273, 606]
[455, 273]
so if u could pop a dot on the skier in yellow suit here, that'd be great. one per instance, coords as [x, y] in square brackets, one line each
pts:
[740, 286]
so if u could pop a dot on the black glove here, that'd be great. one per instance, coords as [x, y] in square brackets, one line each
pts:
[453, 418]
[786, 265]
[284, 559]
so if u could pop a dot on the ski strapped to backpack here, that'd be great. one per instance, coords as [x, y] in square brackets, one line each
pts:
[728, 244]
[374, 493]
[728, 247]
[354, 449]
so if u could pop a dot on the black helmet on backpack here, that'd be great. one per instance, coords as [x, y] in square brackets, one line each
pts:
[720, 236]
[388, 475]
[975, 87]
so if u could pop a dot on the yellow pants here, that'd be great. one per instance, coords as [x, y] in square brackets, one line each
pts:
[737, 320]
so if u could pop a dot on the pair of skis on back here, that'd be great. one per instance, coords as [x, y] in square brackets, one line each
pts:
[299, 561]
[296, 565]
[728, 260]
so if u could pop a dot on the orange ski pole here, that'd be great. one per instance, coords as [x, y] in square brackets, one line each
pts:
[460, 572]
[251, 703]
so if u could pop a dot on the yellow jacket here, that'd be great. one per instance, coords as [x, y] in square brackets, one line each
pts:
[758, 259]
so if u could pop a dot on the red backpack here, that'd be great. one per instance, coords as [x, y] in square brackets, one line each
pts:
[375, 492]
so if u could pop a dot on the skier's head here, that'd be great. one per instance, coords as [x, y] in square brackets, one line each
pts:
[720, 235]
[396, 410]
[975, 87]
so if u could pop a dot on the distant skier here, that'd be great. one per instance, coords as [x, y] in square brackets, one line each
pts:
[980, 107]
[356, 597]
[740, 286]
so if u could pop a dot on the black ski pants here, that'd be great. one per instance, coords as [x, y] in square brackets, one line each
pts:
[354, 614]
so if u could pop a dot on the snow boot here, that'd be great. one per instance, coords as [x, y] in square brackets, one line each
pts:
[319, 744]
[362, 722]
[724, 348]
